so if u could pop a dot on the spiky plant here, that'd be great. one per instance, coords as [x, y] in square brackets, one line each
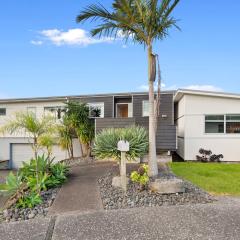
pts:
[105, 145]
[144, 22]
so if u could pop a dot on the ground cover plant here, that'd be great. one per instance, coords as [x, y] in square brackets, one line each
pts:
[219, 179]
[24, 189]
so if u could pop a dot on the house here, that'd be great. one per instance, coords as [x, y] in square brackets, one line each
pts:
[209, 120]
[114, 110]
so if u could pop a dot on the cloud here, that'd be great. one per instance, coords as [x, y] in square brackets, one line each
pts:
[211, 88]
[36, 42]
[71, 37]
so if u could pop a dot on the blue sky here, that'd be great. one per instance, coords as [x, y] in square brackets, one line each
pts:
[43, 52]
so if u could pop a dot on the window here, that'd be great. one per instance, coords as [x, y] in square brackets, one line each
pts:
[145, 108]
[214, 124]
[96, 110]
[232, 123]
[56, 112]
[32, 110]
[2, 111]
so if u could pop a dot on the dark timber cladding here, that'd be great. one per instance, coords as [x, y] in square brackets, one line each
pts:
[166, 132]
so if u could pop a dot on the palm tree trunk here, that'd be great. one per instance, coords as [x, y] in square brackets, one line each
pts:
[152, 162]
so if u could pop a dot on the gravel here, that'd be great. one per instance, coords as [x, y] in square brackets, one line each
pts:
[115, 198]
[15, 214]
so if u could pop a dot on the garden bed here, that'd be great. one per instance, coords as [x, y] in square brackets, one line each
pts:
[17, 214]
[115, 198]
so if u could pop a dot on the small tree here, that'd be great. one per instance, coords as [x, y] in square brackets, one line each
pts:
[66, 133]
[78, 115]
[32, 127]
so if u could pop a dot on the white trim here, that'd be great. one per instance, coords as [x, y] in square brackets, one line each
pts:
[93, 104]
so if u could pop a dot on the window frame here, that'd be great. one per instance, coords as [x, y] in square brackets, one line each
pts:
[56, 111]
[224, 123]
[90, 104]
[144, 101]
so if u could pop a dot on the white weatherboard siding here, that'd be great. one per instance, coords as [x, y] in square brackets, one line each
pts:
[21, 150]
[23, 153]
[13, 108]
[191, 120]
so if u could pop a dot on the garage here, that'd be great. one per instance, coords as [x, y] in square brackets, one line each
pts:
[21, 152]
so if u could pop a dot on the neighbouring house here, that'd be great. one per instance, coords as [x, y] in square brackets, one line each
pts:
[209, 120]
[113, 111]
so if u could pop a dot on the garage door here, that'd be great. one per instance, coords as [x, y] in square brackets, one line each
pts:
[23, 153]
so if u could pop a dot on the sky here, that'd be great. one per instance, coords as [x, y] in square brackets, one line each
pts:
[44, 52]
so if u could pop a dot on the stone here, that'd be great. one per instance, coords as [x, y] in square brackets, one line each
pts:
[31, 215]
[167, 186]
[116, 181]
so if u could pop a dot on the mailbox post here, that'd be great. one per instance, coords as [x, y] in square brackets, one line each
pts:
[123, 146]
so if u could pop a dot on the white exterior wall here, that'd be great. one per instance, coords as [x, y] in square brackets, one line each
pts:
[180, 122]
[196, 107]
[11, 109]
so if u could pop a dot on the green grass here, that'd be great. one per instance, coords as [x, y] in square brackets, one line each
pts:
[218, 179]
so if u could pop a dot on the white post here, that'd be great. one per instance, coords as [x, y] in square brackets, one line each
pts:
[123, 171]
[123, 146]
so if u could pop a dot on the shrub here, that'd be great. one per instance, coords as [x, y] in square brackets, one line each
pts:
[29, 201]
[13, 183]
[29, 168]
[39, 185]
[105, 145]
[207, 156]
[58, 175]
[141, 176]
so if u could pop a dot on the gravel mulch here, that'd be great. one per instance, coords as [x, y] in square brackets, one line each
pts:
[114, 198]
[15, 214]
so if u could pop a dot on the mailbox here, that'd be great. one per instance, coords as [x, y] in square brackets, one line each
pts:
[123, 146]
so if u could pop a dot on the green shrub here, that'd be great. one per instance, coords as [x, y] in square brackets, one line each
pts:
[29, 168]
[58, 175]
[141, 176]
[105, 145]
[39, 185]
[29, 201]
[13, 183]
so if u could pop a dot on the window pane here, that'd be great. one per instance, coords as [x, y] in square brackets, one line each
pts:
[145, 108]
[214, 127]
[233, 118]
[214, 118]
[2, 111]
[96, 110]
[233, 127]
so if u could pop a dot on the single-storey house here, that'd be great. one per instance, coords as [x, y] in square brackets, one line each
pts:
[188, 120]
[208, 120]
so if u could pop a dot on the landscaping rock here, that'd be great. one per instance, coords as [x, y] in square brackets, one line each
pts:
[167, 186]
[116, 181]
[116, 198]
[15, 214]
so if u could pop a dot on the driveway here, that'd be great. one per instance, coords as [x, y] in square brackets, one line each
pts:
[218, 221]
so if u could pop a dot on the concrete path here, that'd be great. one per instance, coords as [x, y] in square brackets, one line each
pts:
[218, 221]
[81, 192]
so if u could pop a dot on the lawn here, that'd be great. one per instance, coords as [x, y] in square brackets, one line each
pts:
[217, 179]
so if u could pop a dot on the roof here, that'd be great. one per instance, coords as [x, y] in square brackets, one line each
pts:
[72, 97]
[181, 92]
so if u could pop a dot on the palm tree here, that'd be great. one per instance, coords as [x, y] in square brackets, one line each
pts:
[143, 22]
[33, 128]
